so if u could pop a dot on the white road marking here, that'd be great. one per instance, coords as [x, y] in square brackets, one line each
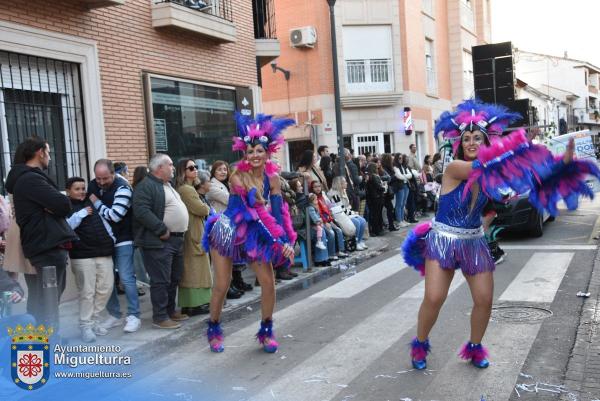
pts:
[539, 279]
[340, 360]
[557, 247]
[365, 279]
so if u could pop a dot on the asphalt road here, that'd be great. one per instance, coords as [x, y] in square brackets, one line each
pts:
[346, 337]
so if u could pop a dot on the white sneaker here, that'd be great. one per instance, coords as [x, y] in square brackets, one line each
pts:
[87, 335]
[99, 330]
[111, 322]
[404, 224]
[320, 245]
[132, 324]
[360, 247]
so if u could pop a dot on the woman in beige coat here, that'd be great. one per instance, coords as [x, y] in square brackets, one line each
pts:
[196, 282]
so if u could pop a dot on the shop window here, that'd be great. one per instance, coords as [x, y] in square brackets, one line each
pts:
[192, 120]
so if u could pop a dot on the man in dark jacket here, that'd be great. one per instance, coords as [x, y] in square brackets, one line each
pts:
[160, 221]
[40, 212]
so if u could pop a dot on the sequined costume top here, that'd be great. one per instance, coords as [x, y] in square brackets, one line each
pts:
[236, 202]
[456, 212]
[456, 239]
[248, 230]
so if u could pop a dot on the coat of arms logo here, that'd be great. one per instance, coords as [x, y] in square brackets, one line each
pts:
[30, 355]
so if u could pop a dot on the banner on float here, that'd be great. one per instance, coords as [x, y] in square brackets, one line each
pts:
[584, 149]
[584, 146]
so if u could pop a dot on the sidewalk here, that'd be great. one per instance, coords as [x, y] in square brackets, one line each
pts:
[156, 340]
[583, 370]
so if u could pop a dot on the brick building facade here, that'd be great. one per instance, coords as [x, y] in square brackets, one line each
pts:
[128, 78]
[392, 55]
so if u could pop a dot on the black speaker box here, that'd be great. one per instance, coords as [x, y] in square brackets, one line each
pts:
[523, 107]
[492, 50]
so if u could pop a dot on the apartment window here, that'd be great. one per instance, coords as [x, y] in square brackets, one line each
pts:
[368, 59]
[466, 14]
[468, 85]
[191, 120]
[427, 6]
[467, 65]
[42, 97]
[430, 67]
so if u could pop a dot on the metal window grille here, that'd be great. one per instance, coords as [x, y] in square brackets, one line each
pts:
[356, 71]
[369, 75]
[219, 8]
[380, 70]
[264, 19]
[42, 97]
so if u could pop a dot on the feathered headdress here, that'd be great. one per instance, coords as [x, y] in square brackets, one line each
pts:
[473, 115]
[264, 130]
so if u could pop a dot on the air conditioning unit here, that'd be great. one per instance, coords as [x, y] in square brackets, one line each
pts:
[305, 36]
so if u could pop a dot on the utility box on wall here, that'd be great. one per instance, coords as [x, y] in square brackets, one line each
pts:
[303, 37]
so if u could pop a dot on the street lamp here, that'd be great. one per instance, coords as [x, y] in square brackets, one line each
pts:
[336, 90]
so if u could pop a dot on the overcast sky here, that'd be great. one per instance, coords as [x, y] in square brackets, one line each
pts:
[550, 26]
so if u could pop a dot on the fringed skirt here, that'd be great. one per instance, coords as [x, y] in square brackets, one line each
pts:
[244, 242]
[220, 235]
[455, 247]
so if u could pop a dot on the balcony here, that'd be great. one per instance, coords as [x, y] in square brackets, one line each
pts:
[209, 18]
[593, 89]
[268, 47]
[101, 3]
[369, 75]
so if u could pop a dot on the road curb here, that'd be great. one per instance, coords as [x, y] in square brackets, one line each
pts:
[583, 369]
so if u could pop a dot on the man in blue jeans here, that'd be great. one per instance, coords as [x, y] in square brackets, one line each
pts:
[111, 195]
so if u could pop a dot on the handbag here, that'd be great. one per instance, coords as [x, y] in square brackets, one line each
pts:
[396, 184]
[298, 218]
[343, 221]
[350, 244]
[14, 259]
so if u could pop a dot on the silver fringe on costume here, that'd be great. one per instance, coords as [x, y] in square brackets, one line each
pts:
[456, 247]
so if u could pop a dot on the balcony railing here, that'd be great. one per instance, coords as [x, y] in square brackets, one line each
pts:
[374, 75]
[264, 19]
[218, 8]
[209, 18]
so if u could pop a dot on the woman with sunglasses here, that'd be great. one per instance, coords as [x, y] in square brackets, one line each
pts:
[484, 166]
[196, 282]
[255, 228]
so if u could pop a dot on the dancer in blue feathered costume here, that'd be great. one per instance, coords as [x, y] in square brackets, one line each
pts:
[255, 228]
[486, 166]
